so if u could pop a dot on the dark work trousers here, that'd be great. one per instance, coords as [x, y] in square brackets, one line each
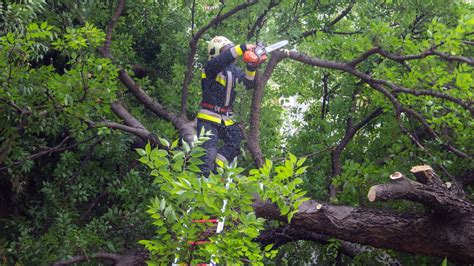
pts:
[231, 135]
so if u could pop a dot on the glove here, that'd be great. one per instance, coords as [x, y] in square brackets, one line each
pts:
[252, 59]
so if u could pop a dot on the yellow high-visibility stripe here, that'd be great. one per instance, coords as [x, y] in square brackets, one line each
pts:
[209, 118]
[228, 122]
[221, 80]
[238, 50]
[250, 73]
[214, 119]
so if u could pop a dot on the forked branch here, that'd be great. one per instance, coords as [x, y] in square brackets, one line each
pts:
[432, 194]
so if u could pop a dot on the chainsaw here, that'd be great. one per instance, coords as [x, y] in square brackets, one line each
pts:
[259, 54]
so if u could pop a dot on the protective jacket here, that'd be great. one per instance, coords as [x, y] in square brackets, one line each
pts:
[218, 80]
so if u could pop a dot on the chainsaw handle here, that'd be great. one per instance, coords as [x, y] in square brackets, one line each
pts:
[260, 49]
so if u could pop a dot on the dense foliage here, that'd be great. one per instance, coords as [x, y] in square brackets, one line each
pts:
[185, 196]
[70, 184]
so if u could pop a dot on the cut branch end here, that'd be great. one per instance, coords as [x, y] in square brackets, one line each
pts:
[372, 193]
[396, 175]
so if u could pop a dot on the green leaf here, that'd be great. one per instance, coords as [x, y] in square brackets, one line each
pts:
[164, 142]
[268, 247]
[301, 170]
[162, 153]
[186, 147]
[141, 152]
[144, 160]
[445, 262]
[194, 168]
[301, 161]
[148, 148]
[269, 164]
[178, 155]
[284, 209]
[162, 204]
[174, 144]
[292, 158]
[290, 216]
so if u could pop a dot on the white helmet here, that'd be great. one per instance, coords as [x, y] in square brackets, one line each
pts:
[215, 45]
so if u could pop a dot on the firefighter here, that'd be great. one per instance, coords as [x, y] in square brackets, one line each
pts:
[218, 80]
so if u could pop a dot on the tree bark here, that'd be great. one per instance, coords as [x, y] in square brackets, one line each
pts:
[447, 231]
[119, 260]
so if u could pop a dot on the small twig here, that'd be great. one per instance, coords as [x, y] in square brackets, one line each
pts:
[16, 107]
[326, 28]
[325, 106]
[193, 10]
[468, 42]
[261, 20]
[400, 58]
[50, 97]
[308, 155]
[83, 80]
[49, 151]
[424, 149]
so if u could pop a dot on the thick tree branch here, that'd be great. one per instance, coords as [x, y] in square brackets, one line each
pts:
[142, 133]
[452, 58]
[397, 89]
[193, 48]
[364, 56]
[129, 120]
[254, 134]
[425, 175]
[119, 260]
[144, 98]
[132, 125]
[454, 238]
[351, 130]
[110, 28]
[438, 198]
[290, 233]
[181, 123]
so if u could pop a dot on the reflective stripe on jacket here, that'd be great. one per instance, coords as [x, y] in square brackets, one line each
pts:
[220, 76]
[215, 117]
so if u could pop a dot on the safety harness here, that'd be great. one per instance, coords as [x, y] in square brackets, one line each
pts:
[216, 108]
